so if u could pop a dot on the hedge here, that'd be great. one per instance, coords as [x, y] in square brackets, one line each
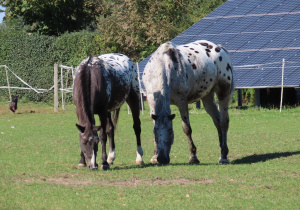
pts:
[32, 57]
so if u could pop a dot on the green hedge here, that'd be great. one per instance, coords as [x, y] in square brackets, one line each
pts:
[32, 57]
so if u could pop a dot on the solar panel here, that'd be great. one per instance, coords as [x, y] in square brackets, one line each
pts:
[256, 32]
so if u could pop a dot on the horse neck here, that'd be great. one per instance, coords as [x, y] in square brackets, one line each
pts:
[162, 97]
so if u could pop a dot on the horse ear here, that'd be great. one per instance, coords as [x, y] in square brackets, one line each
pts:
[171, 117]
[80, 128]
[97, 128]
[154, 117]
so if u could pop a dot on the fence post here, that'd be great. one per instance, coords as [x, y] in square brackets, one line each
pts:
[257, 97]
[8, 83]
[282, 79]
[141, 95]
[55, 87]
[240, 97]
[62, 89]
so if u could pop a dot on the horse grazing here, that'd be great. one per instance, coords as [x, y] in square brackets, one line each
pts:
[181, 75]
[101, 85]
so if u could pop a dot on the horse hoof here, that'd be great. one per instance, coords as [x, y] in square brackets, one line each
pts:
[110, 162]
[223, 161]
[194, 160]
[139, 162]
[81, 165]
[104, 167]
[154, 160]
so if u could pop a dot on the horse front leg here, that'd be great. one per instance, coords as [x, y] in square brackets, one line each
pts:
[103, 140]
[111, 135]
[154, 158]
[82, 162]
[224, 124]
[221, 120]
[188, 132]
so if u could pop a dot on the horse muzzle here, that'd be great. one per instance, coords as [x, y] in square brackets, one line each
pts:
[163, 158]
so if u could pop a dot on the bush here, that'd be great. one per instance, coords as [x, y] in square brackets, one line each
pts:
[32, 57]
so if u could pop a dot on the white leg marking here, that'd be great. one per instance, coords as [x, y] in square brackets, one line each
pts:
[139, 155]
[111, 157]
[93, 160]
[154, 159]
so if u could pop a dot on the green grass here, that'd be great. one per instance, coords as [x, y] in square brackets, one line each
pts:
[40, 152]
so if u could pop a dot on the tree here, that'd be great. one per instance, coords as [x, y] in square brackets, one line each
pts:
[54, 17]
[137, 27]
[140, 25]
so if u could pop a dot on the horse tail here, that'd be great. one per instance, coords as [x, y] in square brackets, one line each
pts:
[115, 117]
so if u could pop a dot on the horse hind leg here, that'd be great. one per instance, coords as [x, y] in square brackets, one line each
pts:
[133, 102]
[221, 119]
[103, 140]
[111, 135]
[224, 123]
[211, 108]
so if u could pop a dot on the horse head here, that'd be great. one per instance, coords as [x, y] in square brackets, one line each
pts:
[164, 136]
[89, 144]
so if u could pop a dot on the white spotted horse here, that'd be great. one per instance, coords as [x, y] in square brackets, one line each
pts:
[101, 85]
[181, 75]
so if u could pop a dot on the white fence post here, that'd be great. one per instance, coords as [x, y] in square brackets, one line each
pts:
[55, 87]
[282, 79]
[141, 95]
[62, 88]
[8, 83]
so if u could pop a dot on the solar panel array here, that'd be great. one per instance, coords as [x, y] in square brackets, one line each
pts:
[259, 34]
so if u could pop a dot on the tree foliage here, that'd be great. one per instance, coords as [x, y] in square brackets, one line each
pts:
[141, 24]
[133, 27]
[54, 17]
[137, 27]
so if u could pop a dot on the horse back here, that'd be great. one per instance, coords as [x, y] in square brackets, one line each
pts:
[121, 76]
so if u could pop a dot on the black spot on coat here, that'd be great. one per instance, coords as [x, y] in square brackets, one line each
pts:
[204, 44]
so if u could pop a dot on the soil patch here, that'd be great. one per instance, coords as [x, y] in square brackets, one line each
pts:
[133, 182]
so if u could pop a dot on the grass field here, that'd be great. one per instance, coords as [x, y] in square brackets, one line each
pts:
[40, 152]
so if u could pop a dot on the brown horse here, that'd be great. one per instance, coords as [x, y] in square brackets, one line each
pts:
[101, 85]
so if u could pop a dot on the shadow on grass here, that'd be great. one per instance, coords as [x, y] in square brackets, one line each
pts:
[263, 157]
[149, 165]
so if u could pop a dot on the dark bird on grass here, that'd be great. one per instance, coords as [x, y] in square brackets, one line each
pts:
[13, 104]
